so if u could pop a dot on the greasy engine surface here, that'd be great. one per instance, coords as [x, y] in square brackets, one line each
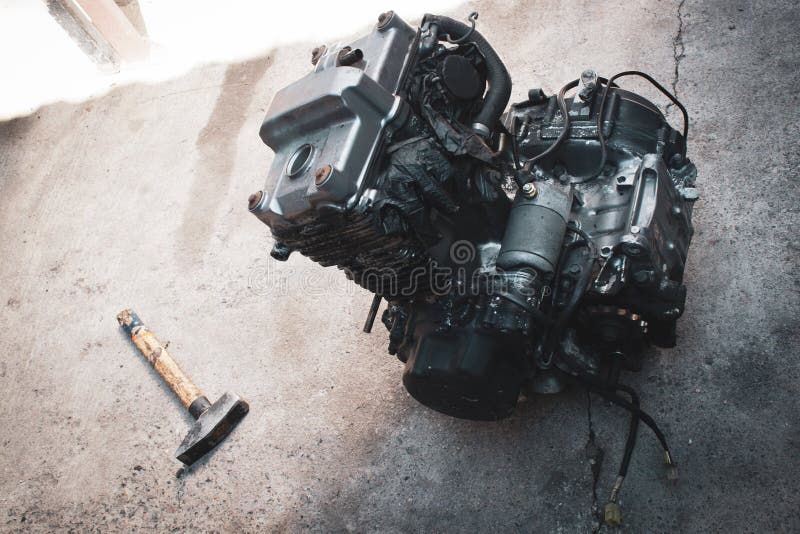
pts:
[517, 248]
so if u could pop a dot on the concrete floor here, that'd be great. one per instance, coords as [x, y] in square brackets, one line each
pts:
[137, 199]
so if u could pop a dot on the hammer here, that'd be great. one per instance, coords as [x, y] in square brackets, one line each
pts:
[213, 421]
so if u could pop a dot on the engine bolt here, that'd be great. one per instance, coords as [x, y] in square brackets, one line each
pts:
[588, 84]
[317, 53]
[643, 277]
[384, 18]
[529, 190]
[322, 174]
[254, 200]
[280, 251]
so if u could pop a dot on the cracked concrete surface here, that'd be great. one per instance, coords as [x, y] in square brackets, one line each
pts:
[138, 199]
[678, 49]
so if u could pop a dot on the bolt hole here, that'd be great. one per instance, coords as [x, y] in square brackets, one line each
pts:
[299, 161]
[605, 251]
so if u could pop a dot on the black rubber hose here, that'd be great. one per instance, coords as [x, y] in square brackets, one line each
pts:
[499, 92]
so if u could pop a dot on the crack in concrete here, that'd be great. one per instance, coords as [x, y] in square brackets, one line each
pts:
[678, 52]
[595, 455]
[677, 44]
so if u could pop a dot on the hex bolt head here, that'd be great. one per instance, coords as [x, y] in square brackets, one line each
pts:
[574, 268]
[322, 174]
[529, 190]
[254, 200]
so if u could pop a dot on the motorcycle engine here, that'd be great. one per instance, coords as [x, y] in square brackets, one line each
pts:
[517, 250]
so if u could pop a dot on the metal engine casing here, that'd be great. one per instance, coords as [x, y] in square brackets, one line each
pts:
[381, 170]
[346, 114]
[637, 211]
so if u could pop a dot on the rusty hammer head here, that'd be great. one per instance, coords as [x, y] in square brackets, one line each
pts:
[214, 423]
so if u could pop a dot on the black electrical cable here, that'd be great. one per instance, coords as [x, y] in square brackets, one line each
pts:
[636, 415]
[612, 510]
[585, 241]
[580, 287]
[572, 228]
[585, 278]
[664, 91]
[630, 443]
[577, 293]
[514, 149]
[619, 401]
[603, 391]
[556, 281]
[564, 129]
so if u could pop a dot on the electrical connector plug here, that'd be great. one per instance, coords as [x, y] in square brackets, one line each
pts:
[612, 514]
[672, 473]
[672, 468]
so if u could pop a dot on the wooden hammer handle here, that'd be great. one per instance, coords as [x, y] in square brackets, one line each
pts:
[158, 356]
